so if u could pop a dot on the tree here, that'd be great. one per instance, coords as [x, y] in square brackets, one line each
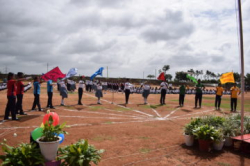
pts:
[237, 77]
[248, 79]
[181, 76]
[151, 76]
[165, 68]
[168, 77]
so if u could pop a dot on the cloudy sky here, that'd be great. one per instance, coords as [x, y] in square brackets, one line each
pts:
[128, 36]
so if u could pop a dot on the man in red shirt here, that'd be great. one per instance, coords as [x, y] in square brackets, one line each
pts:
[11, 95]
[20, 91]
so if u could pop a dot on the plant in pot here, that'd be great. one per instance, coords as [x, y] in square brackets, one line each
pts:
[24, 155]
[205, 135]
[188, 134]
[49, 142]
[230, 129]
[218, 139]
[79, 154]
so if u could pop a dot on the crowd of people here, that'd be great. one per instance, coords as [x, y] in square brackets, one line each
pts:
[16, 89]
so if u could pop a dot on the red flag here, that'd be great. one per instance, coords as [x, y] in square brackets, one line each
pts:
[53, 74]
[161, 77]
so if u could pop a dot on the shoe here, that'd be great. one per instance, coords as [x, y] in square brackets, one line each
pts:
[80, 104]
[16, 119]
[62, 105]
[52, 107]
[23, 114]
[7, 119]
[41, 110]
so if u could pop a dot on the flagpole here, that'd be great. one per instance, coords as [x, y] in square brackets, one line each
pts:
[242, 66]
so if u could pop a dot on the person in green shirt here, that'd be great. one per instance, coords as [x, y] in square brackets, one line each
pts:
[198, 94]
[182, 95]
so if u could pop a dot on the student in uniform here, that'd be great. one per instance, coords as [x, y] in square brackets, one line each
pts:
[98, 92]
[146, 90]
[163, 87]
[127, 87]
[11, 95]
[50, 94]
[80, 90]
[219, 93]
[235, 91]
[182, 92]
[63, 91]
[36, 92]
[20, 92]
[198, 93]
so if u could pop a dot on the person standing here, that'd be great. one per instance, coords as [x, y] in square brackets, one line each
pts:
[98, 92]
[36, 92]
[163, 86]
[11, 95]
[146, 90]
[182, 92]
[50, 94]
[20, 92]
[219, 93]
[80, 90]
[127, 87]
[235, 91]
[63, 91]
[198, 93]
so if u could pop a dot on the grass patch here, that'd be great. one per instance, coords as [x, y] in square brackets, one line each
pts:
[70, 107]
[95, 108]
[102, 138]
[121, 109]
[155, 106]
[109, 122]
[223, 164]
[144, 138]
[145, 150]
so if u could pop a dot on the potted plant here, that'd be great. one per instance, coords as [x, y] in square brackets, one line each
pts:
[79, 154]
[230, 129]
[24, 155]
[49, 142]
[188, 134]
[205, 135]
[218, 139]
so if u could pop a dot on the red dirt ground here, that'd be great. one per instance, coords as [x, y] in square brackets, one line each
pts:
[148, 135]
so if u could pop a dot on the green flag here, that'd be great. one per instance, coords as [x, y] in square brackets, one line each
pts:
[192, 78]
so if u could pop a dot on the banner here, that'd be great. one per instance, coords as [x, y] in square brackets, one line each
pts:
[192, 78]
[53, 74]
[227, 77]
[98, 72]
[72, 72]
[161, 77]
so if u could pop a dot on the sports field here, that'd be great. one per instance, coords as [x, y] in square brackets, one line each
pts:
[136, 134]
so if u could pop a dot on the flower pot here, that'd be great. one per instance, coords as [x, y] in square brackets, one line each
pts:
[228, 141]
[204, 145]
[189, 140]
[49, 149]
[53, 163]
[218, 145]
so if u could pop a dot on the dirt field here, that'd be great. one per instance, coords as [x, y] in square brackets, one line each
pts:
[148, 135]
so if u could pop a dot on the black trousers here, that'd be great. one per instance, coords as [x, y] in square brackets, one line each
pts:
[50, 95]
[90, 88]
[19, 104]
[198, 96]
[127, 93]
[80, 95]
[181, 99]
[36, 102]
[10, 108]
[233, 104]
[163, 95]
[217, 101]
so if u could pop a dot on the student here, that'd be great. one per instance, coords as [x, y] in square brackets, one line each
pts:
[235, 91]
[36, 92]
[98, 92]
[50, 94]
[20, 92]
[182, 92]
[219, 93]
[163, 86]
[127, 87]
[11, 95]
[145, 92]
[63, 91]
[80, 90]
[198, 93]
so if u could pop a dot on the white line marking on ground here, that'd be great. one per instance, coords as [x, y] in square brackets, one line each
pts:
[170, 113]
[97, 117]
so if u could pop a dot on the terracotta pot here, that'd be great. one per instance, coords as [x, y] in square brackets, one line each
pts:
[204, 145]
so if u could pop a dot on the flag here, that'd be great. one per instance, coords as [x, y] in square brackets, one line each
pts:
[98, 72]
[72, 72]
[53, 74]
[192, 78]
[227, 77]
[161, 77]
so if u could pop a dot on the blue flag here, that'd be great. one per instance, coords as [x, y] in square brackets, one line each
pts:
[98, 72]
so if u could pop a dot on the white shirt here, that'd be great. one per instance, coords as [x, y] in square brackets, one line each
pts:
[164, 85]
[62, 84]
[99, 86]
[146, 87]
[127, 85]
[81, 84]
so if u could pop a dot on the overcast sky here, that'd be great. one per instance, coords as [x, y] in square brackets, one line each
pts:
[128, 36]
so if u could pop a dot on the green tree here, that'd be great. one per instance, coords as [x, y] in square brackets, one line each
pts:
[151, 76]
[165, 68]
[181, 76]
[168, 77]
